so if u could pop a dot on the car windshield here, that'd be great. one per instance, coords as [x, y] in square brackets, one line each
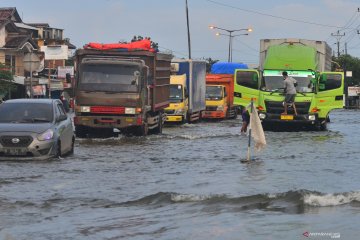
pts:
[110, 78]
[176, 94]
[214, 93]
[273, 81]
[26, 112]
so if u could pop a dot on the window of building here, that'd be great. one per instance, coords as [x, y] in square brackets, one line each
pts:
[10, 63]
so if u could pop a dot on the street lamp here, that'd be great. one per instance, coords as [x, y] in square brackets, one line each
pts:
[230, 36]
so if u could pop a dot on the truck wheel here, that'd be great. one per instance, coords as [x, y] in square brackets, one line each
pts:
[81, 131]
[235, 114]
[142, 130]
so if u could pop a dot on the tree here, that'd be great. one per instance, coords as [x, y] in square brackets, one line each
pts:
[209, 63]
[154, 45]
[348, 63]
[6, 80]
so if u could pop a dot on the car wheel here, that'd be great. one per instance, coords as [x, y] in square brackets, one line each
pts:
[72, 146]
[58, 149]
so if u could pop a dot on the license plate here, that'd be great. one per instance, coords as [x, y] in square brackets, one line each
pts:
[15, 152]
[286, 117]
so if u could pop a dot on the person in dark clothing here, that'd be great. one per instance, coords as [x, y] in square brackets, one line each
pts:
[245, 120]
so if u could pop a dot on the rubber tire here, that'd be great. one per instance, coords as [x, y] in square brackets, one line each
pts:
[71, 152]
[81, 131]
[58, 149]
[142, 130]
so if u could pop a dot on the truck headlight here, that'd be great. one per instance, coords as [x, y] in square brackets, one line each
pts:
[179, 111]
[47, 135]
[262, 115]
[220, 108]
[130, 110]
[312, 117]
[84, 109]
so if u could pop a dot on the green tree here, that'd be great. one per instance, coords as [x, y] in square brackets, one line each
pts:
[349, 63]
[6, 80]
[209, 63]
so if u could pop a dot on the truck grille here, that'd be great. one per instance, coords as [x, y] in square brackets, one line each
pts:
[211, 108]
[15, 141]
[107, 110]
[278, 108]
[169, 111]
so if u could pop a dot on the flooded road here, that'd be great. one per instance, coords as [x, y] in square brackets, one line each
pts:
[188, 183]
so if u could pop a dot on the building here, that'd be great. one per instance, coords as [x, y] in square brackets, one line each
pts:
[18, 38]
[14, 41]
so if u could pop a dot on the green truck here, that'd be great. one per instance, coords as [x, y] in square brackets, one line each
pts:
[318, 89]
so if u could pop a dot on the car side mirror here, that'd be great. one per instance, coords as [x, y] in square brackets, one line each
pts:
[61, 118]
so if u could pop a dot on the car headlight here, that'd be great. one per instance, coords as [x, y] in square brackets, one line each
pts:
[84, 109]
[312, 117]
[220, 108]
[47, 135]
[129, 110]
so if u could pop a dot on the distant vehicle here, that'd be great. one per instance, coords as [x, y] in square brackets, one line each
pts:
[220, 91]
[187, 91]
[34, 129]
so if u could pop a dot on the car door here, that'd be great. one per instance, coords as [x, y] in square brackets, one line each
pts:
[247, 82]
[64, 128]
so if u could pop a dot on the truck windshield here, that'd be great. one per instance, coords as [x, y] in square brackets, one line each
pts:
[176, 93]
[109, 78]
[273, 82]
[214, 93]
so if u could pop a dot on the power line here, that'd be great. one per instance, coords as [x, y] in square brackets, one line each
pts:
[274, 16]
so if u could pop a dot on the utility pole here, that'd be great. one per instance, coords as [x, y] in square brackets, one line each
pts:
[345, 48]
[188, 28]
[338, 36]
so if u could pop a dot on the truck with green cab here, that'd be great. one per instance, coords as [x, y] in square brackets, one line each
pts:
[318, 89]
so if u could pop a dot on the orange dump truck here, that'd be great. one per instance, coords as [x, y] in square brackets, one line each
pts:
[220, 91]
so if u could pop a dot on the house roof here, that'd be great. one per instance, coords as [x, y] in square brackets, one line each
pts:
[26, 26]
[9, 13]
[19, 41]
[39, 25]
[70, 45]
[10, 26]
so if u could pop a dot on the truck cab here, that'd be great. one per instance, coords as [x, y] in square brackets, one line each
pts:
[317, 95]
[177, 110]
[318, 89]
[127, 90]
[216, 102]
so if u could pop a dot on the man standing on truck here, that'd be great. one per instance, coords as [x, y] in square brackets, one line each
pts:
[290, 92]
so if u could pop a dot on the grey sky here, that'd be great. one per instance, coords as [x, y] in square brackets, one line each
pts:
[164, 21]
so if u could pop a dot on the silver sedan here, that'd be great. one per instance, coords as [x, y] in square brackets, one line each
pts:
[34, 129]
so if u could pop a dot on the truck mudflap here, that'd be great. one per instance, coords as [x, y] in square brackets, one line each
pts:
[108, 121]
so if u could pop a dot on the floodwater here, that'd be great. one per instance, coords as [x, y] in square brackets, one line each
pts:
[188, 183]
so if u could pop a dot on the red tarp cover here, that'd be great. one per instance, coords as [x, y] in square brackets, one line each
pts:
[138, 45]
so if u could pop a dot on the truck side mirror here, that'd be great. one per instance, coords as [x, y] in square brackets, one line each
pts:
[186, 93]
[68, 78]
